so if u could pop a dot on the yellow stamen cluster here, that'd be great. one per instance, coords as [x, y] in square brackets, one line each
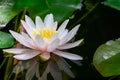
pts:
[45, 32]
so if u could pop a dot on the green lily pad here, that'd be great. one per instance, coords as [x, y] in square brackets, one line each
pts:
[60, 8]
[6, 13]
[113, 3]
[107, 58]
[6, 40]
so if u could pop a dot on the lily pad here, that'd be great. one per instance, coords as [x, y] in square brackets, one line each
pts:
[107, 58]
[6, 40]
[6, 13]
[60, 8]
[113, 3]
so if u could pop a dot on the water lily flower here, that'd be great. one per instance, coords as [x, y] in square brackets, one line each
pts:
[44, 38]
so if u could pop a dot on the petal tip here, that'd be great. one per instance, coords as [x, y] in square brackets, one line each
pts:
[37, 17]
[80, 58]
[4, 50]
[26, 16]
[67, 20]
[22, 21]
[51, 14]
[81, 40]
[78, 25]
[12, 32]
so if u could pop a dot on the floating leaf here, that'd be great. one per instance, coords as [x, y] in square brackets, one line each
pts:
[113, 3]
[6, 13]
[6, 40]
[60, 8]
[107, 58]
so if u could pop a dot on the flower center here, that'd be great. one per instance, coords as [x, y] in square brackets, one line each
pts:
[44, 33]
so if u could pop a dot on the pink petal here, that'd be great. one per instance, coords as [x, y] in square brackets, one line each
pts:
[68, 55]
[70, 45]
[28, 54]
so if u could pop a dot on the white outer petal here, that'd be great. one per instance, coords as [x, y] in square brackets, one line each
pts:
[70, 45]
[15, 50]
[22, 39]
[27, 37]
[39, 22]
[27, 54]
[63, 26]
[28, 29]
[70, 35]
[63, 34]
[48, 21]
[29, 21]
[68, 55]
